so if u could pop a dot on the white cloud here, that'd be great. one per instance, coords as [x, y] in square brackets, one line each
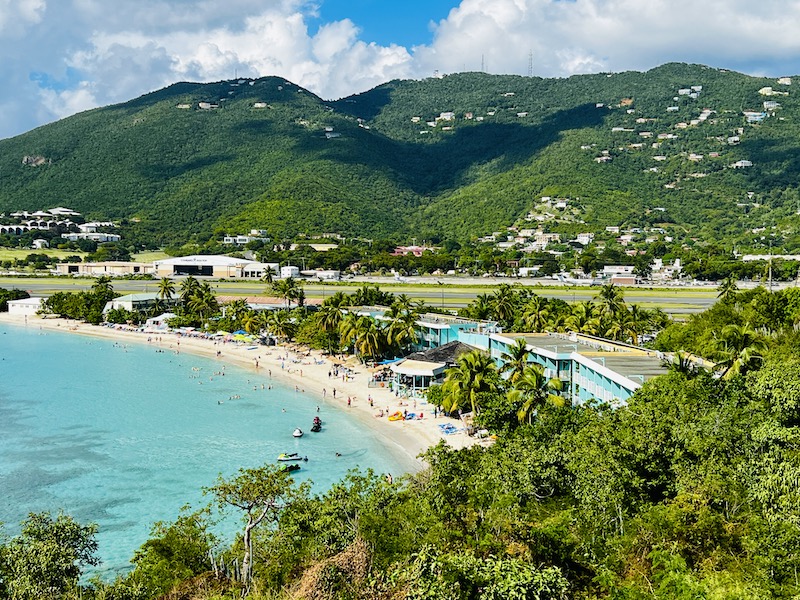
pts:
[16, 15]
[580, 36]
[69, 102]
[73, 54]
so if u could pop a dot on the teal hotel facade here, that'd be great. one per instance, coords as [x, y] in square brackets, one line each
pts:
[591, 369]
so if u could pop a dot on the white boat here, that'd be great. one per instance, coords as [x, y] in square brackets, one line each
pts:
[298, 432]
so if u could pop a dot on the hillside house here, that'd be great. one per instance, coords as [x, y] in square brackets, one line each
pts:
[754, 116]
[741, 164]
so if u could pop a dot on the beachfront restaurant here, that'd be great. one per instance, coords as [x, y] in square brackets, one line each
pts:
[418, 371]
[414, 376]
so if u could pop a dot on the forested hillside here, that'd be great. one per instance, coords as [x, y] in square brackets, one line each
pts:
[451, 157]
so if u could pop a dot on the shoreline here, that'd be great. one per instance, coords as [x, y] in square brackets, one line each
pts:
[308, 373]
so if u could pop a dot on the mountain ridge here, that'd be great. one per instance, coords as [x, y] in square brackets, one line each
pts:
[452, 157]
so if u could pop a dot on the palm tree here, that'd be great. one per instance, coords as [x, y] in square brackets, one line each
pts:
[363, 334]
[268, 276]
[250, 322]
[737, 350]
[583, 318]
[640, 322]
[348, 328]
[166, 288]
[504, 303]
[237, 309]
[535, 314]
[682, 363]
[188, 288]
[515, 360]
[728, 289]
[480, 308]
[611, 299]
[402, 328]
[534, 390]
[329, 318]
[371, 339]
[203, 302]
[102, 287]
[620, 325]
[282, 325]
[474, 373]
[288, 289]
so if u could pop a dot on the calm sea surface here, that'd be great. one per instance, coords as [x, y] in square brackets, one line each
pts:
[124, 436]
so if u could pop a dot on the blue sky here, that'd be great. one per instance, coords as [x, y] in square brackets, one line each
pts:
[385, 22]
[60, 57]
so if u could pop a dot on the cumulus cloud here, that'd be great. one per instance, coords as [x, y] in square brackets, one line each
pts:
[580, 36]
[67, 55]
[16, 15]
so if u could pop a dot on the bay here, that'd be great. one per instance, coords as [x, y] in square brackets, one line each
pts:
[124, 436]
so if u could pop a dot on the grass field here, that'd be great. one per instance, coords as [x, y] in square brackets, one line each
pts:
[22, 253]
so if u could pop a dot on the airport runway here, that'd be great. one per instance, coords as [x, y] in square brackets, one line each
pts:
[451, 293]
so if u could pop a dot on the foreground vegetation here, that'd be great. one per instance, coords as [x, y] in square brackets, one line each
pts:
[689, 491]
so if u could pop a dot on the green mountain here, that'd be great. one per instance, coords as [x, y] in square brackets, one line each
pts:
[630, 149]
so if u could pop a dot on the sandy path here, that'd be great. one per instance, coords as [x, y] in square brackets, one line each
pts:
[309, 373]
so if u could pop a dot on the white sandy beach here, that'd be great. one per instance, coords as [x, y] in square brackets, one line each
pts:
[308, 372]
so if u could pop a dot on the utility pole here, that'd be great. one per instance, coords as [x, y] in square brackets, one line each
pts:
[770, 263]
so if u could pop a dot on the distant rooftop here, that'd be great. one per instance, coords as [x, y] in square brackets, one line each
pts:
[627, 360]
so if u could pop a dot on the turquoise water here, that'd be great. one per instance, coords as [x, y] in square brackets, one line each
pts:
[124, 436]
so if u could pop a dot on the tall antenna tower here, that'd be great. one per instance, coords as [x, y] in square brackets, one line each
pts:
[530, 63]
[482, 63]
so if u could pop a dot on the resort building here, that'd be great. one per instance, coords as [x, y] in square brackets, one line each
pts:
[139, 302]
[435, 330]
[591, 369]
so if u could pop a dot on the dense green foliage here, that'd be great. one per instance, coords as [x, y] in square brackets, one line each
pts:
[689, 491]
[14, 294]
[172, 174]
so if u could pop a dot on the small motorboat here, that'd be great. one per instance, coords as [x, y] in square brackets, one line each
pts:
[290, 468]
[284, 457]
[317, 426]
[298, 432]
